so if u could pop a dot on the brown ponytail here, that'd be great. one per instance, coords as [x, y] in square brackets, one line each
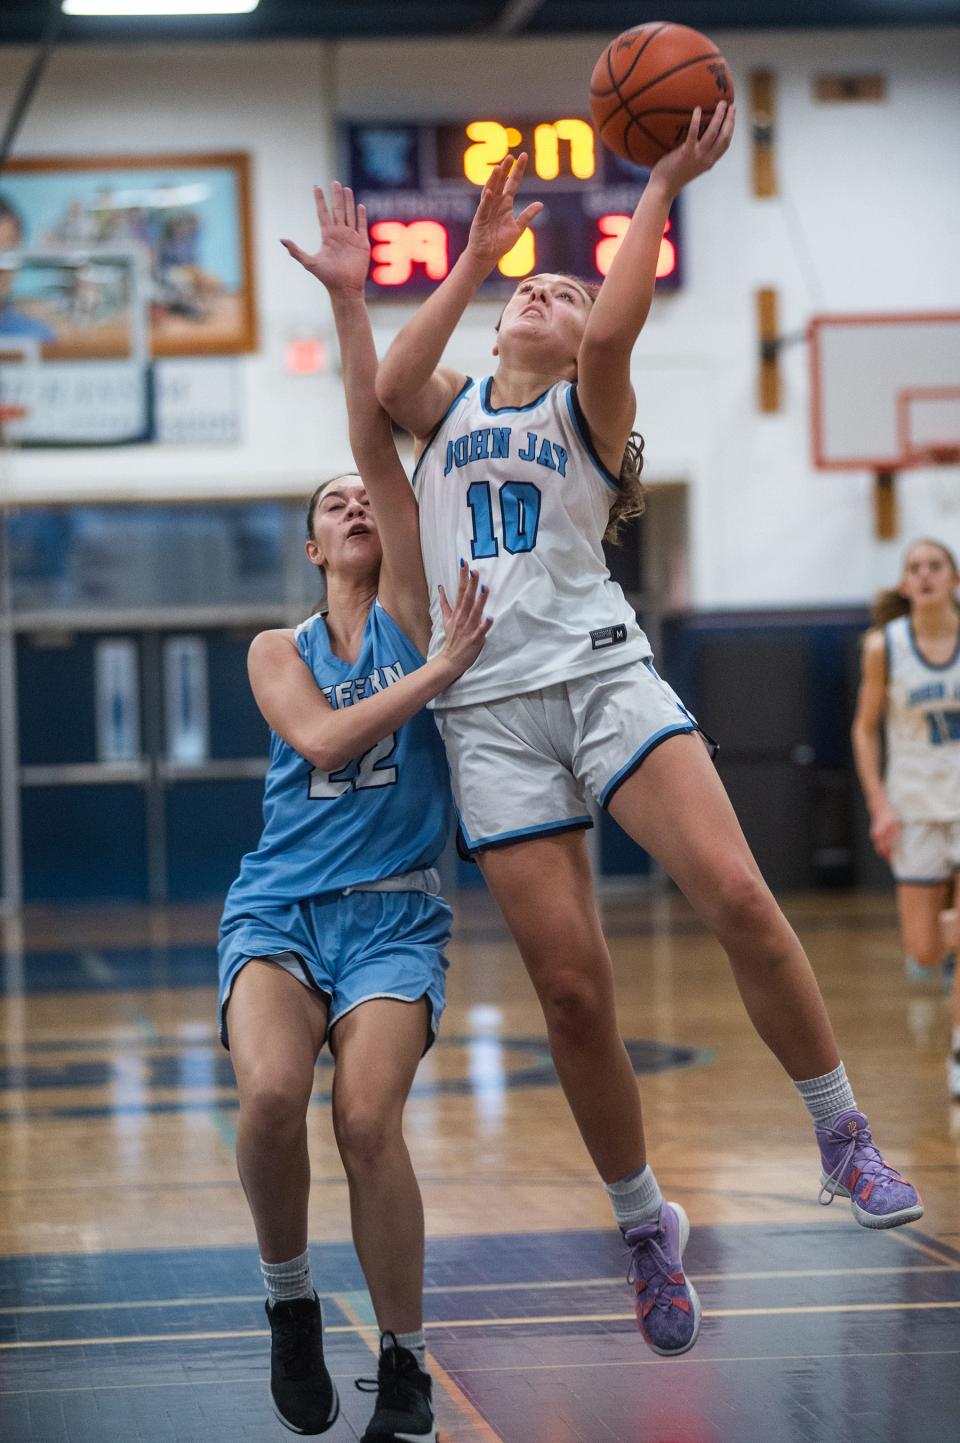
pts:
[630, 500]
[888, 605]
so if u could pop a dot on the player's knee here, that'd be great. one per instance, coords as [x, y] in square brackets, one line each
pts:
[745, 908]
[574, 1005]
[274, 1101]
[364, 1134]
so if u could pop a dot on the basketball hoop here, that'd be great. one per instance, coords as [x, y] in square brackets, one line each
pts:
[940, 455]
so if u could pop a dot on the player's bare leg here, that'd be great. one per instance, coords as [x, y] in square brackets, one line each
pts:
[563, 948]
[277, 1027]
[919, 909]
[377, 1048]
[557, 929]
[675, 806]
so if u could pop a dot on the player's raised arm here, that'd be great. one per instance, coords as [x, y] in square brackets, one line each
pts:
[411, 383]
[341, 265]
[621, 308]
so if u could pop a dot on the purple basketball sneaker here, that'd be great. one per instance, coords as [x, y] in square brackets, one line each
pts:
[668, 1309]
[853, 1168]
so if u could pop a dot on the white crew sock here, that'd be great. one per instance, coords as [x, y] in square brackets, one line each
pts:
[289, 1280]
[415, 1343]
[636, 1199]
[825, 1096]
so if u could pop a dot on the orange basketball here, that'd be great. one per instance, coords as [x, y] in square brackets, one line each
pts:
[647, 83]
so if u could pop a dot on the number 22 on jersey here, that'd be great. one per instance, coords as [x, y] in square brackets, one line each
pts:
[369, 773]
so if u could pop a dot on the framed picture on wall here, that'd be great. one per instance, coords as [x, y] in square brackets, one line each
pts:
[186, 218]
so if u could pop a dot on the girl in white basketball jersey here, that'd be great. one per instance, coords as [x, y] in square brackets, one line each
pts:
[518, 476]
[911, 683]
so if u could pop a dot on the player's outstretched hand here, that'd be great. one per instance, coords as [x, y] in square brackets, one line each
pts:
[495, 229]
[698, 153]
[464, 623]
[343, 259]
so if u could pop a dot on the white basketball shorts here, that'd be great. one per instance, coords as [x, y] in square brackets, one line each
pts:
[926, 852]
[523, 766]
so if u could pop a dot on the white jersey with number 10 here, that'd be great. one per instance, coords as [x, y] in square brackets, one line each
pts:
[922, 729]
[519, 493]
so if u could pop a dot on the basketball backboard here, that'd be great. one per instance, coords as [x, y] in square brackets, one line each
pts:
[885, 390]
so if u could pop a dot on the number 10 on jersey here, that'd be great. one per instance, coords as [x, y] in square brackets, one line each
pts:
[519, 517]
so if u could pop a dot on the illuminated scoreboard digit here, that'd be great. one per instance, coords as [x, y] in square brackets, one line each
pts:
[420, 184]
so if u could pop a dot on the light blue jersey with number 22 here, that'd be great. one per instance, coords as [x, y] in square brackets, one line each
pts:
[384, 813]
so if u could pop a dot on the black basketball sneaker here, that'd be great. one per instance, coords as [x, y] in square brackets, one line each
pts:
[304, 1398]
[404, 1411]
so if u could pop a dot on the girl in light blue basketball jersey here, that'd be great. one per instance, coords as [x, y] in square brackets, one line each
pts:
[522, 472]
[334, 930]
[911, 685]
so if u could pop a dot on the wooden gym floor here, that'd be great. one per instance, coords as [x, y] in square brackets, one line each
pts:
[130, 1298]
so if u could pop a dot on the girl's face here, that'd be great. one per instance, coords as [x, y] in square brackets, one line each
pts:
[547, 314]
[345, 537]
[928, 576]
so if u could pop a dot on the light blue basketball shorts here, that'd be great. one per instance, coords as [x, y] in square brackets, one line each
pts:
[353, 946]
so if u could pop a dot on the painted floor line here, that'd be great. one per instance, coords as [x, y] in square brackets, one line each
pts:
[644, 1362]
[450, 1324]
[927, 1247]
[258, 1380]
[553, 1285]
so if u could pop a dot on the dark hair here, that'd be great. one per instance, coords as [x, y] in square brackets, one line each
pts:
[891, 603]
[8, 211]
[630, 500]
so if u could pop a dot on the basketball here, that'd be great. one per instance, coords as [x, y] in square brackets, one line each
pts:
[647, 83]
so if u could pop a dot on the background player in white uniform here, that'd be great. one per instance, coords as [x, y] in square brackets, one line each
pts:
[564, 702]
[333, 930]
[911, 683]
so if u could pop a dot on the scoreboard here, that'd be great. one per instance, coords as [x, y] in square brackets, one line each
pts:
[421, 183]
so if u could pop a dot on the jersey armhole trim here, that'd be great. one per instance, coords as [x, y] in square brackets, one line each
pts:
[307, 621]
[379, 606]
[467, 385]
[583, 431]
